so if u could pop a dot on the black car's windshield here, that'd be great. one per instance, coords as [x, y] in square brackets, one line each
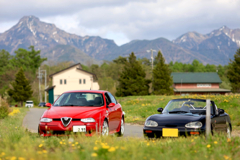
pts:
[79, 99]
[192, 106]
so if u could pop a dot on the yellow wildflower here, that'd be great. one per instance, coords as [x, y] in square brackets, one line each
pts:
[95, 148]
[226, 157]
[112, 149]
[122, 148]
[40, 145]
[208, 146]
[2, 154]
[21, 158]
[228, 140]
[215, 142]
[44, 151]
[94, 154]
[13, 158]
[61, 142]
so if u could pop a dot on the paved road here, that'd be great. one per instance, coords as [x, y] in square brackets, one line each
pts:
[32, 118]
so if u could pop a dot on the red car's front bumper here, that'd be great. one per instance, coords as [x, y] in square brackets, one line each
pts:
[57, 128]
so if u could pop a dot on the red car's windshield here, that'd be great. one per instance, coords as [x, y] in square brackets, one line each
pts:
[79, 99]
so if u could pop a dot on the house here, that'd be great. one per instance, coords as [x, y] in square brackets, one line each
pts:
[197, 83]
[71, 78]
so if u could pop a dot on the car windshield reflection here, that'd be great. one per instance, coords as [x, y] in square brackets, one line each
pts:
[79, 99]
[185, 106]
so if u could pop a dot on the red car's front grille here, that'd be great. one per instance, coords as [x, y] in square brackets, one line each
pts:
[74, 119]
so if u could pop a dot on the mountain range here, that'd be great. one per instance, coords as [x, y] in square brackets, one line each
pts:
[57, 45]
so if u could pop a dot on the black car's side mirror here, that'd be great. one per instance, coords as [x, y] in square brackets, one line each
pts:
[221, 111]
[160, 110]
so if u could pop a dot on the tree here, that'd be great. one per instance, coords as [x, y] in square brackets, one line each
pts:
[233, 72]
[132, 79]
[28, 60]
[162, 80]
[21, 88]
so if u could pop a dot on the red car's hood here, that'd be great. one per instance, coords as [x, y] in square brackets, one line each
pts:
[73, 112]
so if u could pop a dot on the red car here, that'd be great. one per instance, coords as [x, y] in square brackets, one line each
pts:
[85, 111]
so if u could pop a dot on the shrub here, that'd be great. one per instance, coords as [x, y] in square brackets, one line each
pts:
[4, 110]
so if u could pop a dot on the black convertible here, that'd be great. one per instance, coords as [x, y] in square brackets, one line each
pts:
[183, 117]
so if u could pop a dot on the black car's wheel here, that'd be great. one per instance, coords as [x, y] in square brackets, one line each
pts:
[105, 128]
[122, 128]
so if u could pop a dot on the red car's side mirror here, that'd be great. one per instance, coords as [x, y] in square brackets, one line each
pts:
[111, 105]
[48, 104]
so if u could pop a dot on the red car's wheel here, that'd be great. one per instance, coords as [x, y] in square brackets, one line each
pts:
[121, 131]
[105, 128]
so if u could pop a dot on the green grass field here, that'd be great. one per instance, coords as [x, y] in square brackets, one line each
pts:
[18, 144]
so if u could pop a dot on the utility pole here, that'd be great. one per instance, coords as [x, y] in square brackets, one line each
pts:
[45, 98]
[40, 78]
[151, 50]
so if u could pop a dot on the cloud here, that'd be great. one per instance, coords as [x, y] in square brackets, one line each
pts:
[124, 20]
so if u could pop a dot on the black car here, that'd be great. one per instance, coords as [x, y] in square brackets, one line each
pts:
[182, 117]
[42, 104]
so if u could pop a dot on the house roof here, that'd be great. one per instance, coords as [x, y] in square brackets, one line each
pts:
[202, 90]
[195, 77]
[51, 87]
[78, 64]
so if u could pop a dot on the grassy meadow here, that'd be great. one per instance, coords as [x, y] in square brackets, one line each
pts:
[17, 143]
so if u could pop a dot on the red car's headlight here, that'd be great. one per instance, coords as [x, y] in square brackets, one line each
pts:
[88, 120]
[46, 120]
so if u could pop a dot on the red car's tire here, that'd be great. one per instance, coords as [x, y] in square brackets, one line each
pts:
[122, 128]
[105, 128]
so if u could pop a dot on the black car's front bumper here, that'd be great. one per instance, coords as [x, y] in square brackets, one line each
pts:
[157, 132]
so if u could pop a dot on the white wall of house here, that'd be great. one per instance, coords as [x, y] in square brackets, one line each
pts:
[74, 80]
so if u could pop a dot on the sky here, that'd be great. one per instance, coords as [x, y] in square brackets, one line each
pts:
[126, 20]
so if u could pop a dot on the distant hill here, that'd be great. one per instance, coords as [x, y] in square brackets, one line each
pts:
[57, 45]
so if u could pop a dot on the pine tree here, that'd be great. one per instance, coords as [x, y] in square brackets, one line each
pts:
[21, 88]
[162, 80]
[132, 79]
[233, 72]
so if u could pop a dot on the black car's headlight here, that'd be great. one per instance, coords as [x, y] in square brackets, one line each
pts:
[46, 120]
[193, 125]
[150, 123]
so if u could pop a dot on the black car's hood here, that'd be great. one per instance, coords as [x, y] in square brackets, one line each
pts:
[175, 119]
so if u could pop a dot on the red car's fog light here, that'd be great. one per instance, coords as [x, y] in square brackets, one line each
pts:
[194, 133]
[147, 131]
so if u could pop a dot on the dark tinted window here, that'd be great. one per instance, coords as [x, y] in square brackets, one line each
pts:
[60, 81]
[65, 81]
[108, 100]
[80, 81]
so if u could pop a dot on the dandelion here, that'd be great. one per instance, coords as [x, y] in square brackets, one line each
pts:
[192, 140]
[95, 148]
[73, 145]
[215, 142]
[226, 157]
[2, 154]
[76, 143]
[94, 154]
[21, 158]
[148, 144]
[61, 142]
[112, 149]
[13, 158]
[44, 151]
[40, 145]
[208, 146]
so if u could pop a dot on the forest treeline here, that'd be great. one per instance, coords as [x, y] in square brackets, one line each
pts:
[108, 73]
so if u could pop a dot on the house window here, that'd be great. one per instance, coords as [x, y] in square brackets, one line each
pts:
[60, 81]
[80, 81]
[84, 81]
[65, 81]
